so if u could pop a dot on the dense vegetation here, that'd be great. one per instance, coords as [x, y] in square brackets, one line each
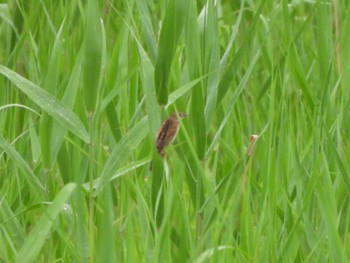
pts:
[85, 85]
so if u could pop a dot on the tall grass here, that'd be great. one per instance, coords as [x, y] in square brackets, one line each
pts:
[85, 85]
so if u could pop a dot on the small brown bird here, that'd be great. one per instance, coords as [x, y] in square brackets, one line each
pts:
[168, 131]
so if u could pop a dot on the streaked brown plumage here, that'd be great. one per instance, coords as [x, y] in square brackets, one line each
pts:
[168, 131]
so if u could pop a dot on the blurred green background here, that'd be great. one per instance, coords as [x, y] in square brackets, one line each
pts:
[85, 85]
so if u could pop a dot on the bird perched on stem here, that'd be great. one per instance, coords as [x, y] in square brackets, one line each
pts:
[168, 131]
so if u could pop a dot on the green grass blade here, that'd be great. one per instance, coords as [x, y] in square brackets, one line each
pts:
[153, 109]
[9, 221]
[81, 230]
[92, 55]
[36, 239]
[193, 52]
[68, 99]
[125, 170]
[211, 59]
[50, 85]
[232, 68]
[106, 237]
[183, 90]
[121, 153]
[236, 94]
[18, 159]
[48, 103]
[148, 29]
[233, 36]
[345, 49]
[168, 41]
[327, 204]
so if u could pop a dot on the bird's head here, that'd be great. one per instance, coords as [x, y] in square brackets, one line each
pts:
[179, 115]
